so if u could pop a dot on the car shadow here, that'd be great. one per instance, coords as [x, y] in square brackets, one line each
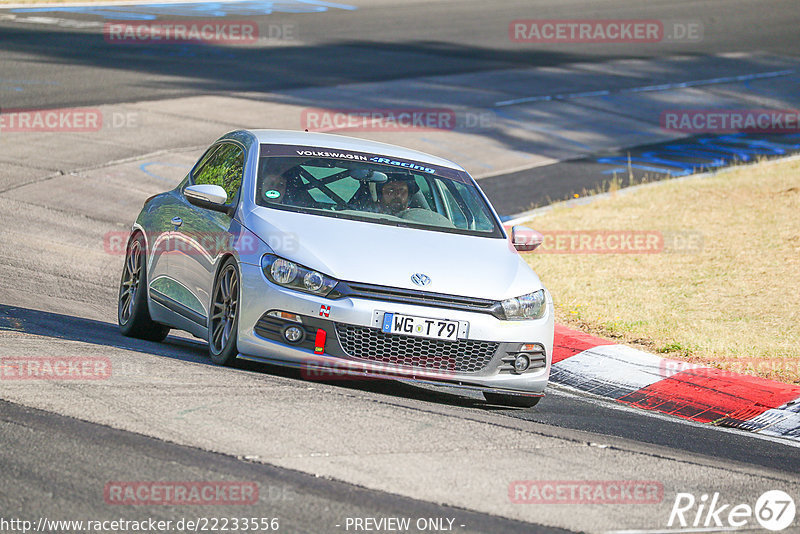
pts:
[72, 328]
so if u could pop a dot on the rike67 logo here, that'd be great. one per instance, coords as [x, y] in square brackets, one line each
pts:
[774, 510]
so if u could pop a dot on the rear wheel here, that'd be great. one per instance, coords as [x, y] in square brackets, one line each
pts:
[223, 322]
[133, 316]
[515, 401]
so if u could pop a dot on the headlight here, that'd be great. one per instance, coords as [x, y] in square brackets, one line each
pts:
[530, 306]
[294, 276]
[283, 271]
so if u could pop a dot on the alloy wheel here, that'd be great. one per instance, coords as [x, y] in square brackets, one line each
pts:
[223, 313]
[130, 281]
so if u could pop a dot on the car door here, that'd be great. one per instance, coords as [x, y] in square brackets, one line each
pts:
[159, 229]
[162, 224]
[202, 235]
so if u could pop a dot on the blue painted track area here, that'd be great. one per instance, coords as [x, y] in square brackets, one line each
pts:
[193, 9]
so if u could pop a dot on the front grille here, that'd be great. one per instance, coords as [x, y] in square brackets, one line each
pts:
[463, 356]
[410, 296]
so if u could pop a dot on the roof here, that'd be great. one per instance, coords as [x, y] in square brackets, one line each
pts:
[342, 142]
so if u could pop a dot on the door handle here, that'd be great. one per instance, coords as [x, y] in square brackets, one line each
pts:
[177, 222]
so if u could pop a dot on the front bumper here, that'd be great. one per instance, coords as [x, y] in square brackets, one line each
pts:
[355, 346]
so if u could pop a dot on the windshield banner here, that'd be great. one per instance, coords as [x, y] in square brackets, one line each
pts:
[366, 157]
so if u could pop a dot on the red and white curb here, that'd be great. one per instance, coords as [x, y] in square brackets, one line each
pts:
[702, 394]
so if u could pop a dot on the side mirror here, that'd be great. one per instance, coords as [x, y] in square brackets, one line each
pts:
[208, 196]
[525, 239]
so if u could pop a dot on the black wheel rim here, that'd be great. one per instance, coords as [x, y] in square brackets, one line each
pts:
[131, 275]
[223, 313]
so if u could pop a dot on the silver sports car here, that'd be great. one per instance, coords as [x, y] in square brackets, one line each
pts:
[344, 258]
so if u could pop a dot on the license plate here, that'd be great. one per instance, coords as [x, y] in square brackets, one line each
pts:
[409, 325]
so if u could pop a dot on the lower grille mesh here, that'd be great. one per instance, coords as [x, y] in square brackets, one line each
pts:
[463, 356]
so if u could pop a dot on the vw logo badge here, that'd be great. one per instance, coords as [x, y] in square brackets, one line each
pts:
[421, 279]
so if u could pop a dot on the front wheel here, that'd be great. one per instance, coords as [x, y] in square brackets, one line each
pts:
[133, 316]
[515, 401]
[224, 319]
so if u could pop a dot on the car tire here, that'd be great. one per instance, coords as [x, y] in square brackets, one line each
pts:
[223, 317]
[515, 401]
[133, 317]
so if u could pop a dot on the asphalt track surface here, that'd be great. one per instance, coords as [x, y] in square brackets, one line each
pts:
[66, 460]
[302, 502]
[378, 41]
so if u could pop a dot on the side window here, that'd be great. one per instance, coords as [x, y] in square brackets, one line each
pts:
[481, 219]
[224, 168]
[456, 215]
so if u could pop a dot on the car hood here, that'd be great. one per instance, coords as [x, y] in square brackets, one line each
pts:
[357, 251]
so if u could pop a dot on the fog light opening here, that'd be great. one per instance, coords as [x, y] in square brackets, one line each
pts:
[293, 334]
[521, 363]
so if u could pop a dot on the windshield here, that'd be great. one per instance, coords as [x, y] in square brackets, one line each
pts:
[377, 193]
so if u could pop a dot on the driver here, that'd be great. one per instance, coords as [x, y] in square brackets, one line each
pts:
[395, 194]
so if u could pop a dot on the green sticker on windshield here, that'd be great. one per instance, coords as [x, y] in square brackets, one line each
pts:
[272, 193]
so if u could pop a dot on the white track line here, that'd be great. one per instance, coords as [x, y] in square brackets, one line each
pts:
[556, 389]
[648, 88]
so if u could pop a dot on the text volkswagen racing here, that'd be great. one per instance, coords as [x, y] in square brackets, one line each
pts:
[327, 252]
